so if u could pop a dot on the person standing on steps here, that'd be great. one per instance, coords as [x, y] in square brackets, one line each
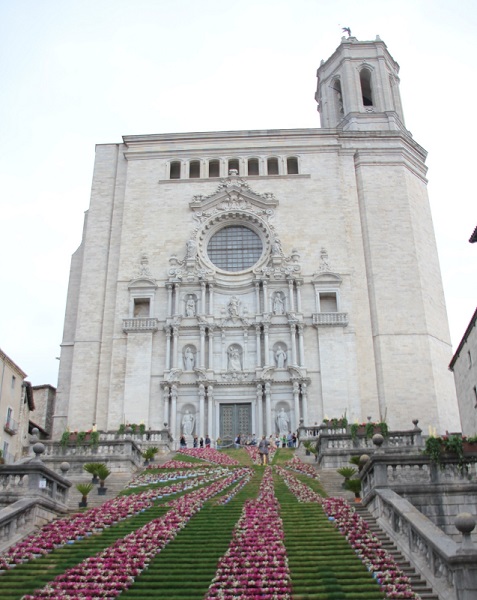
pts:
[263, 450]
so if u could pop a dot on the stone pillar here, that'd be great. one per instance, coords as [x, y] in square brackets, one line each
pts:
[211, 347]
[266, 300]
[245, 349]
[169, 299]
[301, 347]
[266, 348]
[259, 410]
[177, 288]
[268, 408]
[211, 299]
[202, 346]
[200, 433]
[291, 294]
[304, 403]
[211, 411]
[165, 397]
[257, 298]
[168, 348]
[175, 342]
[173, 415]
[296, 401]
[202, 298]
[258, 345]
[298, 296]
[224, 355]
[293, 343]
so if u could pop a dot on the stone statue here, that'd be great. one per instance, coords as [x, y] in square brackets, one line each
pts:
[233, 307]
[189, 359]
[235, 363]
[191, 249]
[188, 422]
[190, 306]
[278, 304]
[280, 357]
[283, 421]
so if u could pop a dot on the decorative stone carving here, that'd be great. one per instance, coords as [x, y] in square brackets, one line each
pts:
[283, 422]
[234, 354]
[278, 303]
[280, 357]
[233, 307]
[190, 306]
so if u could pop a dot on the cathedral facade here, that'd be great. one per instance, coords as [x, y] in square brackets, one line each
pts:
[249, 281]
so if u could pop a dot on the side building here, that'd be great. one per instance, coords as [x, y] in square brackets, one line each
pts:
[247, 281]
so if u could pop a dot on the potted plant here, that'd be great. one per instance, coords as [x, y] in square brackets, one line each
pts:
[94, 438]
[149, 454]
[103, 472]
[347, 473]
[65, 438]
[2, 459]
[354, 485]
[310, 448]
[84, 489]
[92, 468]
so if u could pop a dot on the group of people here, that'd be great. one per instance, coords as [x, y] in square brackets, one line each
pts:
[197, 442]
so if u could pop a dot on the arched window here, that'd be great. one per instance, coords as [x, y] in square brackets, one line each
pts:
[292, 165]
[338, 98]
[194, 169]
[366, 90]
[175, 172]
[272, 166]
[252, 166]
[233, 164]
[214, 168]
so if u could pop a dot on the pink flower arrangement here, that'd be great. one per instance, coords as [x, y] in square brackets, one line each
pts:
[113, 570]
[297, 465]
[255, 564]
[380, 563]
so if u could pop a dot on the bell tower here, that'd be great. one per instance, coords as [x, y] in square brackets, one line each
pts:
[358, 88]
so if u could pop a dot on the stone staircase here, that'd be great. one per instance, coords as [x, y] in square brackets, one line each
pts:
[419, 585]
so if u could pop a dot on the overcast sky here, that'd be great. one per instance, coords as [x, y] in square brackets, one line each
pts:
[75, 73]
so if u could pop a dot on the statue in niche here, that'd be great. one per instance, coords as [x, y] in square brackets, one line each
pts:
[189, 359]
[190, 306]
[235, 362]
[191, 249]
[278, 304]
[283, 422]
[280, 357]
[188, 422]
[233, 307]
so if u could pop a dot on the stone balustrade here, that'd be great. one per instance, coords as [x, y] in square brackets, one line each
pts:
[450, 566]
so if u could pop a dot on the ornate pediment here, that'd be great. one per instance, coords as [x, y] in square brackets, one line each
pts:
[233, 193]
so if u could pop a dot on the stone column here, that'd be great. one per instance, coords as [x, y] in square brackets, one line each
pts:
[304, 403]
[268, 408]
[211, 411]
[177, 288]
[245, 349]
[259, 410]
[175, 342]
[200, 433]
[296, 400]
[202, 346]
[291, 294]
[211, 347]
[169, 299]
[301, 347]
[298, 296]
[258, 345]
[224, 357]
[266, 348]
[202, 298]
[168, 348]
[293, 342]
[165, 397]
[173, 415]
[257, 298]
[266, 303]
[211, 299]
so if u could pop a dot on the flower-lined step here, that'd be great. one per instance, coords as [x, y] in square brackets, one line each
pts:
[110, 572]
[255, 564]
[394, 584]
[149, 478]
[298, 465]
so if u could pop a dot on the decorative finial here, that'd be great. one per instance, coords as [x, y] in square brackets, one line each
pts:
[346, 30]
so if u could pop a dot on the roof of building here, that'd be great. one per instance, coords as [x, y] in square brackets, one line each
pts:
[473, 237]
[470, 326]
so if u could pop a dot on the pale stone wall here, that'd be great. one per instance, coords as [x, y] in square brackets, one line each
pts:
[464, 366]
